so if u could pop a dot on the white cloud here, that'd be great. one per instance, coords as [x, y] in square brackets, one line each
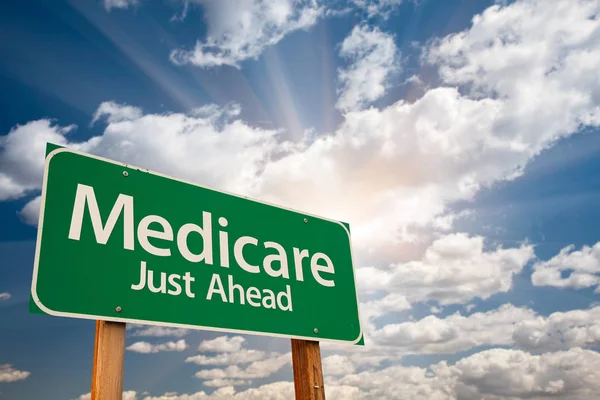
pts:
[413, 159]
[116, 112]
[222, 344]
[257, 369]
[414, 383]
[373, 59]
[232, 354]
[492, 374]
[582, 266]
[22, 156]
[241, 356]
[9, 374]
[241, 30]
[160, 331]
[127, 395]
[560, 330]
[433, 335]
[402, 165]
[381, 8]
[186, 146]
[392, 302]
[226, 382]
[454, 269]
[371, 310]
[336, 365]
[147, 348]
[523, 51]
[271, 391]
[513, 373]
[5, 296]
[30, 214]
[506, 326]
[110, 4]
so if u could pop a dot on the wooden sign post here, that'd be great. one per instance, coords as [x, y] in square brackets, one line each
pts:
[308, 373]
[109, 352]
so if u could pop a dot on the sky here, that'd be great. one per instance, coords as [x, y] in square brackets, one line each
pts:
[458, 138]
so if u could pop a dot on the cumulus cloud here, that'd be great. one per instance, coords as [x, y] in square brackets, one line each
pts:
[513, 373]
[160, 331]
[582, 268]
[22, 156]
[435, 310]
[241, 30]
[492, 374]
[375, 8]
[170, 143]
[271, 391]
[116, 112]
[336, 365]
[454, 269]
[373, 309]
[433, 335]
[507, 325]
[230, 353]
[110, 4]
[127, 395]
[522, 51]
[373, 59]
[30, 214]
[5, 296]
[10, 374]
[560, 330]
[390, 303]
[403, 164]
[241, 356]
[148, 348]
[226, 382]
[257, 369]
[222, 344]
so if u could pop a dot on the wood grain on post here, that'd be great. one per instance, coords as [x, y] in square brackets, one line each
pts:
[308, 373]
[109, 352]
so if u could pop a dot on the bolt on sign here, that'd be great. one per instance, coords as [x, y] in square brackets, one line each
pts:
[120, 243]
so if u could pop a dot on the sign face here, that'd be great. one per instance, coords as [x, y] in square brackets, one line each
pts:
[119, 243]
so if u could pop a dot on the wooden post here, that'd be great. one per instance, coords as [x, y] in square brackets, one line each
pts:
[308, 373]
[109, 351]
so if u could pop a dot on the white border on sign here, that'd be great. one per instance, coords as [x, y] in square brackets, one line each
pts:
[166, 324]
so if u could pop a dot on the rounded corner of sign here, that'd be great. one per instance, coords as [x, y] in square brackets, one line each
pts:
[55, 152]
[40, 305]
[360, 336]
[345, 228]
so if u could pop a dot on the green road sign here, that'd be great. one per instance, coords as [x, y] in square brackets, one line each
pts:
[119, 243]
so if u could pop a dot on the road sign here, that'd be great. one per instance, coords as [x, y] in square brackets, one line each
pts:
[120, 243]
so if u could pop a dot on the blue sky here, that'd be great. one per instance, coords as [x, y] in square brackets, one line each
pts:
[458, 138]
